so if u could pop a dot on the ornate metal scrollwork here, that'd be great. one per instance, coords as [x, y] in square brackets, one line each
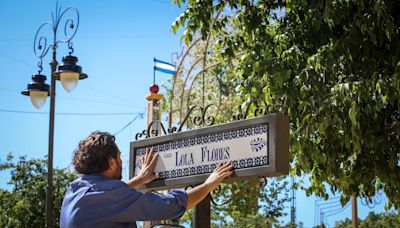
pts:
[153, 129]
[196, 120]
[203, 118]
[172, 130]
[222, 203]
[140, 134]
[218, 191]
[257, 112]
[40, 47]
[40, 43]
[210, 120]
[371, 202]
[263, 182]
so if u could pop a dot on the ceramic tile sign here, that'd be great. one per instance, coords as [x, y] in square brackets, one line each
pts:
[257, 147]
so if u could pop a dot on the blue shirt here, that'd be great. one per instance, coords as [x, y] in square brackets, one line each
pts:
[97, 201]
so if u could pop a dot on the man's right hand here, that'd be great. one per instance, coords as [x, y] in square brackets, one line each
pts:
[198, 193]
[220, 173]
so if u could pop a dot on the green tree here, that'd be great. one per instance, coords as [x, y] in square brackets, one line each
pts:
[332, 66]
[382, 220]
[346, 223]
[248, 204]
[252, 203]
[24, 204]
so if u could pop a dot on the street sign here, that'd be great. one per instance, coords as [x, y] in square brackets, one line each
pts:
[256, 147]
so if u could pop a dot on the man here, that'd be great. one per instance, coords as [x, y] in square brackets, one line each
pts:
[99, 199]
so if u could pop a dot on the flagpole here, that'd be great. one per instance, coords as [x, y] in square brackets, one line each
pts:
[154, 76]
[154, 72]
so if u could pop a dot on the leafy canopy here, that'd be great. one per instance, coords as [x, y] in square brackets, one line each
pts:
[382, 220]
[332, 66]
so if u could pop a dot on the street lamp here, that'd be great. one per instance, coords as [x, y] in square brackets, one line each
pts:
[68, 73]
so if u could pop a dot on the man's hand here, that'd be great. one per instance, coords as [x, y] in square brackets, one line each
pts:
[220, 173]
[146, 173]
[149, 161]
[198, 193]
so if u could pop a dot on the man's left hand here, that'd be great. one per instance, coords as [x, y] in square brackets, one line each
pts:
[146, 173]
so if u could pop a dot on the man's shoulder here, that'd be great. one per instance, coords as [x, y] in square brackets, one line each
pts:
[97, 183]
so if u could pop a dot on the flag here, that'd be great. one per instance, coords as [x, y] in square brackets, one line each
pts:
[164, 67]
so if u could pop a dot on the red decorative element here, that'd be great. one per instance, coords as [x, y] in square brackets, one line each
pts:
[154, 88]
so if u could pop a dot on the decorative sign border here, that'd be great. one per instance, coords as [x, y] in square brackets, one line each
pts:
[275, 162]
[212, 138]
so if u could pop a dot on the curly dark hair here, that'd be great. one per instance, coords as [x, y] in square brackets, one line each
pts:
[93, 153]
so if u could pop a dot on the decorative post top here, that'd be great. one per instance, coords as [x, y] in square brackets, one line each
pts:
[153, 95]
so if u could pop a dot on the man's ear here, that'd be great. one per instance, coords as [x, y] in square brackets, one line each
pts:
[112, 163]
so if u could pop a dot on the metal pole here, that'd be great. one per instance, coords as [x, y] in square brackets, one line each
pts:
[49, 200]
[154, 76]
[354, 211]
[41, 49]
[201, 217]
[293, 209]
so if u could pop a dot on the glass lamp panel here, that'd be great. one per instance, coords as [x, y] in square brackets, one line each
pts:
[69, 80]
[38, 98]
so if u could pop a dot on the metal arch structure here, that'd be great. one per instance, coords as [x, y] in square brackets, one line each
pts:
[371, 202]
[206, 112]
[200, 65]
[203, 117]
[324, 209]
[197, 115]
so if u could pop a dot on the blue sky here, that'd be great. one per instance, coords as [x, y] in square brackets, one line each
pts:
[115, 43]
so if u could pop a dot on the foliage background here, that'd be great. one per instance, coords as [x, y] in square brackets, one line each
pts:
[24, 205]
[332, 66]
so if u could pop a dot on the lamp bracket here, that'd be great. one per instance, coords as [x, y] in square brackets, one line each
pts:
[71, 48]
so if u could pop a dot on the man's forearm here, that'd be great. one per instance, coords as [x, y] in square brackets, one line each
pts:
[197, 194]
[135, 182]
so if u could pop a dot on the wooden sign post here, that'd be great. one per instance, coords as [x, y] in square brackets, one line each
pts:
[154, 114]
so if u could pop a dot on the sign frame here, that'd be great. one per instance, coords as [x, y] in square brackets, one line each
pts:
[278, 151]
